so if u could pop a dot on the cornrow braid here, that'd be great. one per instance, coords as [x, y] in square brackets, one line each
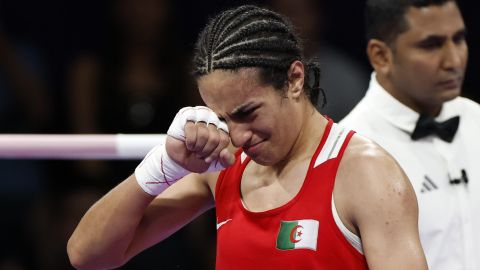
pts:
[245, 61]
[252, 28]
[259, 44]
[249, 16]
[250, 36]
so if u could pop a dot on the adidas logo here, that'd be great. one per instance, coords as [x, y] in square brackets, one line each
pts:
[428, 185]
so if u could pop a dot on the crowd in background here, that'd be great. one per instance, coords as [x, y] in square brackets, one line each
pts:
[122, 66]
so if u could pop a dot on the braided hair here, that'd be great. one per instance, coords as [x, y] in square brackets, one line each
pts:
[250, 36]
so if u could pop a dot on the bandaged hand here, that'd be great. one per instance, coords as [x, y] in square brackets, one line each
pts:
[197, 142]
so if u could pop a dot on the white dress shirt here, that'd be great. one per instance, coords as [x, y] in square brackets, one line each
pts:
[449, 214]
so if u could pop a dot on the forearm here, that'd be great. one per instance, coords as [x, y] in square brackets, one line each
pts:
[128, 219]
[104, 234]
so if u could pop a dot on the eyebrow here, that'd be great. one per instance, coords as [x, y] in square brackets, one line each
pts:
[240, 108]
[462, 31]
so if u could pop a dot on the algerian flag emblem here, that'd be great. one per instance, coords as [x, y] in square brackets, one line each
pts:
[298, 234]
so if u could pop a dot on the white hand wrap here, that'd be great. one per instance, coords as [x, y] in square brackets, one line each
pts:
[193, 114]
[158, 171]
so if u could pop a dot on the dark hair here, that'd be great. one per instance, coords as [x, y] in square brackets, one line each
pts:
[385, 19]
[250, 36]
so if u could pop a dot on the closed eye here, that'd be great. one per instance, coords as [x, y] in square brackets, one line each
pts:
[460, 37]
[432, 42]
[244, 114]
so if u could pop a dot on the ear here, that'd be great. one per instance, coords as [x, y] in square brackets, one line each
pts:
[380, 56]
[296, 79]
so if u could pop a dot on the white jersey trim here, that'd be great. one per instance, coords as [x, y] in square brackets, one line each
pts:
[243, 156]
[352, 238]
[332, 145]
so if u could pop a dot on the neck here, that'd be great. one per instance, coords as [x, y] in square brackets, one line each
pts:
[306, 143]
[421, 108]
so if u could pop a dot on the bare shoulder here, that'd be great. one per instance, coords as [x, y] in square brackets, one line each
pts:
[376, 201]
[371, 165]
[370, 183]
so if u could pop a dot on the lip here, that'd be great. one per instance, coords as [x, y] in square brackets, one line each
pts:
[252, 148]
[451, 83]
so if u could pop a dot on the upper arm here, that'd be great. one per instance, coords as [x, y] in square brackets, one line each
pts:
[379, 201]
[172, 209]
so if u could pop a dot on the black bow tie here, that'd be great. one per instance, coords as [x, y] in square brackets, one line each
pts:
[426, 125]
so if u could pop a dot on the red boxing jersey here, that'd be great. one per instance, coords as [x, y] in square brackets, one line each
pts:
[301, 234]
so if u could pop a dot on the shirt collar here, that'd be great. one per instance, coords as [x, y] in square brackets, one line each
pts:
[395, 112]
[390, 108]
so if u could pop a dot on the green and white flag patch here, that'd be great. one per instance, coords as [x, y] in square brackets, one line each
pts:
[298, 234]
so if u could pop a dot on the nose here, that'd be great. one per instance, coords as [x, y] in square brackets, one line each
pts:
[454, 56]
[240, 134]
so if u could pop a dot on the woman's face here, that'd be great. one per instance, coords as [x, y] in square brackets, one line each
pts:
[261, 119]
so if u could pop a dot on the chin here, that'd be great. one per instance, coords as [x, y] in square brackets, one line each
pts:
[450, 94]
[264, 160]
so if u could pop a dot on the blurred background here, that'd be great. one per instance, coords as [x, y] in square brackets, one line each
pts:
[122, 66]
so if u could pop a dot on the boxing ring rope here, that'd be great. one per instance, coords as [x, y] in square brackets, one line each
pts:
[62, 146]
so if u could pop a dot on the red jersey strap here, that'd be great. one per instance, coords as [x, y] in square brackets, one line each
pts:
[239, 164]
[334, 148]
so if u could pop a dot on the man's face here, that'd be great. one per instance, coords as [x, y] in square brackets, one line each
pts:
[430, 58]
